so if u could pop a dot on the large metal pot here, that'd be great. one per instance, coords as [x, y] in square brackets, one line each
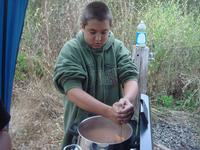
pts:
[99, 133]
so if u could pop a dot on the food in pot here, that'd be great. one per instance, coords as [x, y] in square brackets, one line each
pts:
[102, 130]
[98, 132]
[119, 138]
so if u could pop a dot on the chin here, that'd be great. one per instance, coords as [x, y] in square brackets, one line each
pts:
[97, 46]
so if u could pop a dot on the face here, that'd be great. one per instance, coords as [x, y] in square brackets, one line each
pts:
[96, 32]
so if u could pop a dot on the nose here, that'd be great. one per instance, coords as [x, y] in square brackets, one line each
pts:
[98, 38]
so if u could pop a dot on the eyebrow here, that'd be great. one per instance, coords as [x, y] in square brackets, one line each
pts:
[96, 30]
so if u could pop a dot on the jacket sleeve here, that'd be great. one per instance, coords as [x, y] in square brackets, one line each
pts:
[126, 68]
[68, 71]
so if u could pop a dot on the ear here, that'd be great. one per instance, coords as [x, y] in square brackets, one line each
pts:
[82, 26]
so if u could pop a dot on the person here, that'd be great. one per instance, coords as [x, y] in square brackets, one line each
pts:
[5, 140]
[95, 72]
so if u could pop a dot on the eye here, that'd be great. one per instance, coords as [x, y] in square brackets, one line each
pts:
[104, 32]
[92, 32]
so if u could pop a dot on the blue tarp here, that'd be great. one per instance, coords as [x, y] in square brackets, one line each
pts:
[12, 13]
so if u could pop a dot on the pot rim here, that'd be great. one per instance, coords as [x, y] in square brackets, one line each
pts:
[76, 145]
[98, 116]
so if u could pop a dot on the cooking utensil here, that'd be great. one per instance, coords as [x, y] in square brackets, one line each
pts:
[99, 133]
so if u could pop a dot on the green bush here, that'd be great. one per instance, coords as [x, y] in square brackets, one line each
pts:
[174, 35]
[165, 100]
[21, 67]
[189, 100]
[29, 67]
[38, 69]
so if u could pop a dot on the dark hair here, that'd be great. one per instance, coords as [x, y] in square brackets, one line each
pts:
[96, 10]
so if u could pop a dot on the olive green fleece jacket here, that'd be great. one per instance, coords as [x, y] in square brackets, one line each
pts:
[99, 72]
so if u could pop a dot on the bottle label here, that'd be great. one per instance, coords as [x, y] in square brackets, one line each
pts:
[140, 38]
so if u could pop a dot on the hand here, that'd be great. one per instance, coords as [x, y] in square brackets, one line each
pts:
[115, 113]
[127, 109]
[122, 111]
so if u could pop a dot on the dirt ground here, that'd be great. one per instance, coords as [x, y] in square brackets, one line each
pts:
[37, 117]
[177, 130]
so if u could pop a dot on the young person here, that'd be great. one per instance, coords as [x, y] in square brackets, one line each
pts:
[95, 72]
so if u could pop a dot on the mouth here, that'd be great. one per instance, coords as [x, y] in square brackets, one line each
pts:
[97, 45]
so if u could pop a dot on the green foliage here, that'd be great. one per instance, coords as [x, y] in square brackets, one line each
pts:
[38, 69]
[173, 33]
[188, 101]
[169, 27]
[124, 15]
[21, 67]
[165, 100]
[32, 25]
[28, 67]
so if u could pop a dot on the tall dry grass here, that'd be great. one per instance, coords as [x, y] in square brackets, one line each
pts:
[173, 32]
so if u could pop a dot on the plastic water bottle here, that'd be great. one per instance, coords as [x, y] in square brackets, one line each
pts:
[141, 35]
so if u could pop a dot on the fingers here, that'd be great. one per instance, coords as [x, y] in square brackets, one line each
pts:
[128, 110]
[118, 107]
[118, 114]
[123, 111]
[122, 119]
[126, 106]
[127, 118]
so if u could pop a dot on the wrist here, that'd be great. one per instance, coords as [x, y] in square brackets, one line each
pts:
[107, 112]
[130, 99]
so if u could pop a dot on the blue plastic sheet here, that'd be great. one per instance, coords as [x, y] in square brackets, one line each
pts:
[12, 13]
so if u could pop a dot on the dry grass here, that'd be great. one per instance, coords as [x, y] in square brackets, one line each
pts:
[37, 120]
[173, 117]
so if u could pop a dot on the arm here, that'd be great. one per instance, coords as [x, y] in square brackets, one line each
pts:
[131, 91]
[128, 73]
[91, 104]
[128, 102]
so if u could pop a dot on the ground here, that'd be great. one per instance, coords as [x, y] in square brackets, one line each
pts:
[177, 130]
[37, 117]
[37, 121]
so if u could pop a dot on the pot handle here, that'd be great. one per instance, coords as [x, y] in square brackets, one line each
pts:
[73, 130]
[144, 112]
